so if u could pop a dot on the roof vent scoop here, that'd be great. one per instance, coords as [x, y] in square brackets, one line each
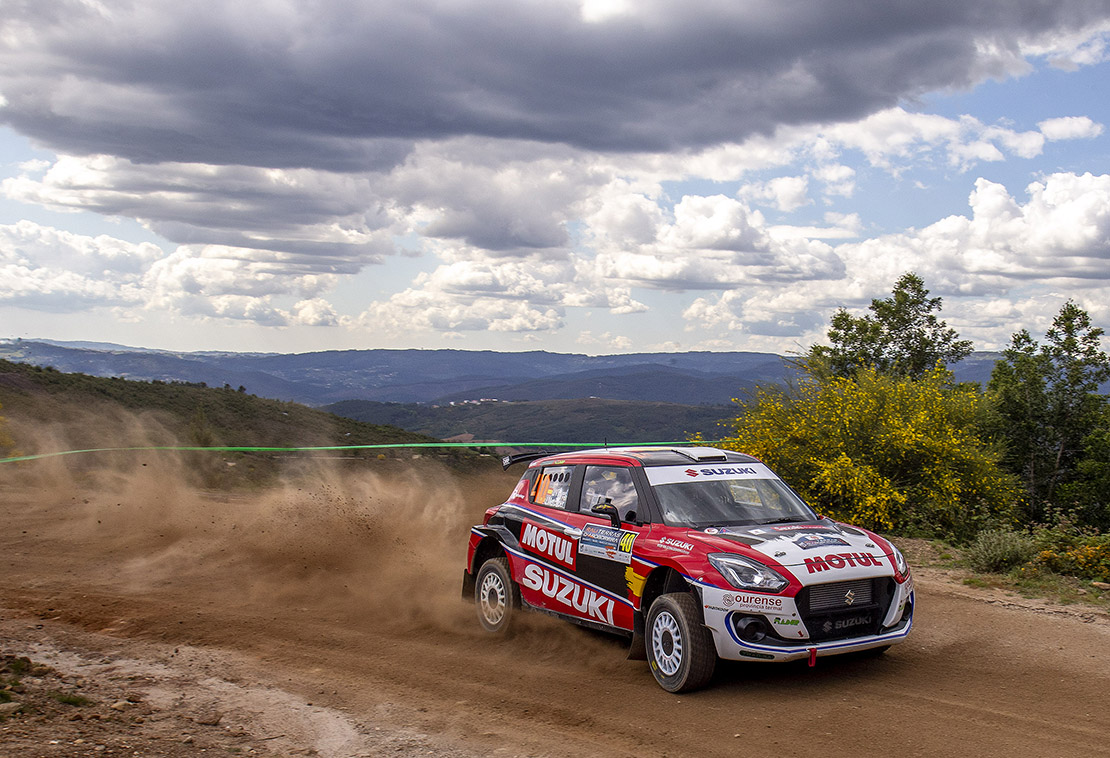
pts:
[703, 454]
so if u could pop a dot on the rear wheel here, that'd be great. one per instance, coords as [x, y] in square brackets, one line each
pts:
[680, 649]
[496, 596]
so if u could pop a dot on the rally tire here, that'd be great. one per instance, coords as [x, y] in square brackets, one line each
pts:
[680, 649]
[496, 596]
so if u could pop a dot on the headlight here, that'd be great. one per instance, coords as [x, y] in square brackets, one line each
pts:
[900, 564]
[746, 574]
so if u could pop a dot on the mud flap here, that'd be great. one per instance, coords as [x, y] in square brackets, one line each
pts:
[636, 649]
[468, 586]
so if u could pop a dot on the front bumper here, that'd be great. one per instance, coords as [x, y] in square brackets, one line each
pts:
[748, 626]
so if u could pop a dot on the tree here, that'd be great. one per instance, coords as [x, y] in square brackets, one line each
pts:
[1046, 404]
[903, 337]
[887, 452]
[1088, 495]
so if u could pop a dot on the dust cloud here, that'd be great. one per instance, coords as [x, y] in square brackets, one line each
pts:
[363, 543]
[391, 542]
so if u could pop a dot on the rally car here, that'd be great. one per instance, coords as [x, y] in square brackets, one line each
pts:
[693, 553]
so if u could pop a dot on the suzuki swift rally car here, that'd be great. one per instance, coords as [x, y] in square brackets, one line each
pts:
[692, 552]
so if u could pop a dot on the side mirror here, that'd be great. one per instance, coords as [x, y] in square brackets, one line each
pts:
[607, 508]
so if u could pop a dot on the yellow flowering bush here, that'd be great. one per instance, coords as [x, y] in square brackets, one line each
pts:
[1088, 560]
[886, 452]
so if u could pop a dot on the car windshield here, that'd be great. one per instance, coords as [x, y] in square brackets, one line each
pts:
[730, 502]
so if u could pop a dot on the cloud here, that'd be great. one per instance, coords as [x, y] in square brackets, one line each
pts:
[315, 312]
[333, 223]
[1069, 51]
[981, 264]
[477, 293]
[1060, 233]
[607, 341]
[837, 178]
[540, 157]
[1070, 127]
[513, 200]
[760, 320]
[56, 271]
[786, 193]
[415, 311]
[838, 226]
[52, 270]
[895, 138]
[350, 86]
[216, 271]
[716, 242]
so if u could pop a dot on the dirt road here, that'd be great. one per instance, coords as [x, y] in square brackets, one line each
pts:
[325, 616]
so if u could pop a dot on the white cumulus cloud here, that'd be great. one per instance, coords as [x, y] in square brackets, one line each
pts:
[1070, 127]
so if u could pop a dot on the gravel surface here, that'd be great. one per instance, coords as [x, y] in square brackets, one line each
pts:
[140, 618]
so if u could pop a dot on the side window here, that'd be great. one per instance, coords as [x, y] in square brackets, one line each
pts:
[612, 483]
[551, 486]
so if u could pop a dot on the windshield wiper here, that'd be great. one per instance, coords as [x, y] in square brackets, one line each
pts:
[787, 520]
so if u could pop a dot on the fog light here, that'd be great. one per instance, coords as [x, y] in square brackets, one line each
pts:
[751, 629]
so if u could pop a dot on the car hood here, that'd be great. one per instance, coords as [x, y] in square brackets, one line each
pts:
[828, 549]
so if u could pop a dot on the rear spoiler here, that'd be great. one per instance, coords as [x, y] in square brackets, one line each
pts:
[509, 460]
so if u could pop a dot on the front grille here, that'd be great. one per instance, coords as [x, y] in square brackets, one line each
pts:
[823, 597]
[845, 609]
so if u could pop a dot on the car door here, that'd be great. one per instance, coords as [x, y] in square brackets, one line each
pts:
[605, 552]
[547, 564]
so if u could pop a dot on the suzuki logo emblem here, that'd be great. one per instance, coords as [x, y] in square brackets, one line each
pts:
[849, 597]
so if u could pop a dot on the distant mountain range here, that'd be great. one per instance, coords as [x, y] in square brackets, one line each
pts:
[440, 376]
[581, 420]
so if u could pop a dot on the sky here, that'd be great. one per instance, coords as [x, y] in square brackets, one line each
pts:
[583, 176]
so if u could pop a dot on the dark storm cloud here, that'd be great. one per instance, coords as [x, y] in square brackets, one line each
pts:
[346, 85]
[330, 220]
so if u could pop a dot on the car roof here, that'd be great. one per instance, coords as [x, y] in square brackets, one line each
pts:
[647, 456]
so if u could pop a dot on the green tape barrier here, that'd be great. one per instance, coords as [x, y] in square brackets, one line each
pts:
[322, 448]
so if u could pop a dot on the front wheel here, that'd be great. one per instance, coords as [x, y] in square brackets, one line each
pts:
[680, 649]
[496, 595]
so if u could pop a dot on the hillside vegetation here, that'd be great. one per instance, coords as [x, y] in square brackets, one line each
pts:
[48, 410]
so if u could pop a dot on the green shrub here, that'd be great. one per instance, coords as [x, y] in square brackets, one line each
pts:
[999, 550]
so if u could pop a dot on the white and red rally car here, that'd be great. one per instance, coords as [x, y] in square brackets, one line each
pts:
[693, 552]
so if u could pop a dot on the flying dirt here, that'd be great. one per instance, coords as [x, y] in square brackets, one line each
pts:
[322, 615]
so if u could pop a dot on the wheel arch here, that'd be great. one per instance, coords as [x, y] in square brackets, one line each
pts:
[489, 547]
[662, 580]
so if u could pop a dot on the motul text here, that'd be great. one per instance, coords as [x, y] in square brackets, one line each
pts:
[840, 560]
[545, 542]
